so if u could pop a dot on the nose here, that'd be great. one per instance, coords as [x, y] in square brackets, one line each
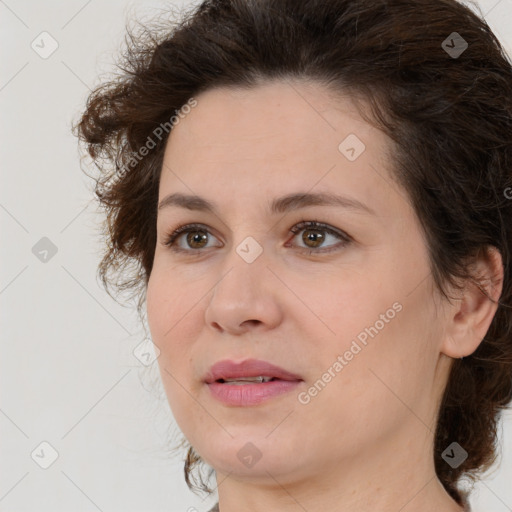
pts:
[245, 297]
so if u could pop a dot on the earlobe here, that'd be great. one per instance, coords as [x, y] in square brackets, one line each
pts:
[472, 314]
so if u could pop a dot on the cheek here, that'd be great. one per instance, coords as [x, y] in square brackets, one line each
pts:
[164, 310]
[367, 320]
[341, 305]
[157, 304]
[166, 304]
[172, 314]
[162, 316]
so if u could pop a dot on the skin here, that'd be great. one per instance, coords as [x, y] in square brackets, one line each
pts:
[365, 442]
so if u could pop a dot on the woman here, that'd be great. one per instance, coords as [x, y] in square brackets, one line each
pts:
[312, 200]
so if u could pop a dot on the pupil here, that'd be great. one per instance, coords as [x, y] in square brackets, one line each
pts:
[313, 236]
[195, 238]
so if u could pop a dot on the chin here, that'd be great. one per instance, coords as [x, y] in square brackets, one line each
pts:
[251, 455]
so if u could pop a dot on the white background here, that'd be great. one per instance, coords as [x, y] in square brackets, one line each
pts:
[68, 374]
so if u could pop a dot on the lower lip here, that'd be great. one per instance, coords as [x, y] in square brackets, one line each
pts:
[251, 394]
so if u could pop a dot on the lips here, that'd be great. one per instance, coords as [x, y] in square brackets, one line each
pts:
[227, 369]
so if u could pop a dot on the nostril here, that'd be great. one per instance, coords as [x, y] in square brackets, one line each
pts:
[252, 322]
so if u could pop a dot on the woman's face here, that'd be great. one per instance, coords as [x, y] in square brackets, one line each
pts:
[347, 307]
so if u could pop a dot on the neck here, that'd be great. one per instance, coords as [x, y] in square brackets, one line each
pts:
[400, 477]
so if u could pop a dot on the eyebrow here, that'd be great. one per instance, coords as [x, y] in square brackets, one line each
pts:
[277, 206]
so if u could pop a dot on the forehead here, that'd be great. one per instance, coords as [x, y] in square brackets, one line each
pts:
[286, 113]
[274, 138]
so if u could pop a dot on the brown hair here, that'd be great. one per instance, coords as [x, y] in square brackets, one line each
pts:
[448, 115]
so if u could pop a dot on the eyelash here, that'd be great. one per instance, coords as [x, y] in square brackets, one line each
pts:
[297, 228]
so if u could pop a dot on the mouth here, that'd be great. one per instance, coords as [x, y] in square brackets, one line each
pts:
[250, 371]
[247, 380]
[249, 383]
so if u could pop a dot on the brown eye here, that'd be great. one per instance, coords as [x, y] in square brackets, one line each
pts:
[195, 240]
[314, 237]
[315, 234]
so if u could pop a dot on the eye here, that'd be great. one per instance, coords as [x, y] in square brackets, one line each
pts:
[197, 236]
[314, 236]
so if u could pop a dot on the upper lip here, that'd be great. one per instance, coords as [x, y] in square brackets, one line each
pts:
[227, 369]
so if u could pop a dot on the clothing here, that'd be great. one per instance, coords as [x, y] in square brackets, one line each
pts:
[467, 508]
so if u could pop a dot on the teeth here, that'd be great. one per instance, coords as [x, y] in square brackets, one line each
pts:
[241, 380]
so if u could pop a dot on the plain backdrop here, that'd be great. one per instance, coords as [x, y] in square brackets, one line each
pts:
[80, 429]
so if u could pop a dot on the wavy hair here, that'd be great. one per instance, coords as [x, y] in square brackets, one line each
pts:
[447, 109]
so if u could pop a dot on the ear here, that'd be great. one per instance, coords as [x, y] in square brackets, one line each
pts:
[470, 318]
